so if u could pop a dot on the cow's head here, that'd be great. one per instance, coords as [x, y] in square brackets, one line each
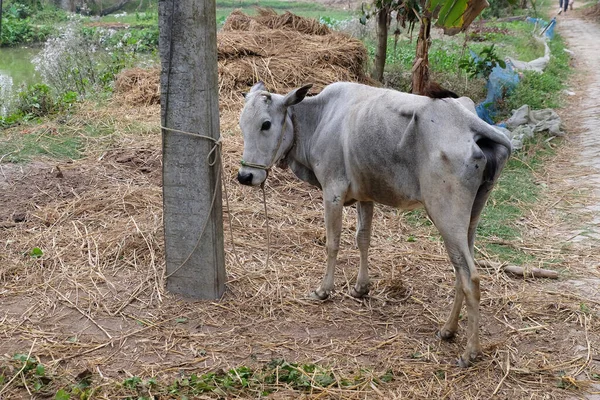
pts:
[267, 128]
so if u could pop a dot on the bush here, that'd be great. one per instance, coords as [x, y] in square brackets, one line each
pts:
[21, 25]
[134, 40]
[73, 62]
[38, 100]
[497, 9]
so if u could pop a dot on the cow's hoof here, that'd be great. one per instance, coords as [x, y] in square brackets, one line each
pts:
[359, 293]
[466, 360]
[462, 363]
[319, 295]
[446, 334]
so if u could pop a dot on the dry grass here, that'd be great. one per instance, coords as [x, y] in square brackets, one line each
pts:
[95, 303]
[96, 298]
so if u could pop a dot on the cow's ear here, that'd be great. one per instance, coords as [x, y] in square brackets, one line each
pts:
[259, 86]
[296, 96]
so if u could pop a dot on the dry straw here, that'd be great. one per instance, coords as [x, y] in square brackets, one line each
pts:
[284, 51]
[95, 301]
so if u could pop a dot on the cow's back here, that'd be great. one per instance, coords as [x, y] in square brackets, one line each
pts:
[391, 143]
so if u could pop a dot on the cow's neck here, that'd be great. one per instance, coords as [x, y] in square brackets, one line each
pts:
[305, 119]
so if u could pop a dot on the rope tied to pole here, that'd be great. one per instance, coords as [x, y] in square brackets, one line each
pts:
[216, 154]
[212, 153]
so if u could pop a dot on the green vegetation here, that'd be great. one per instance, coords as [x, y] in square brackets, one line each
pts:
[482, 65]
[515, 194]
[22, 24]
[27, 145]
[543, 90]
[240, 381]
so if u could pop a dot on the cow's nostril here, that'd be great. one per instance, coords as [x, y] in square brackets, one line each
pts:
[245, 179]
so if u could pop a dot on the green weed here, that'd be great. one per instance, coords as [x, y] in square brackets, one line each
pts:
[542, 90]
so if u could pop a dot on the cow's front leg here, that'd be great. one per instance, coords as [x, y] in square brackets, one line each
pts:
[334, 203]
[363, 241]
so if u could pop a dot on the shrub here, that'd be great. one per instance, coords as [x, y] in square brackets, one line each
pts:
[38, 100]
[73, 62]
[481, 66]
[21, 25]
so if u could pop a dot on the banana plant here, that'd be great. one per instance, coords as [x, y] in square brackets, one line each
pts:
[453, 16]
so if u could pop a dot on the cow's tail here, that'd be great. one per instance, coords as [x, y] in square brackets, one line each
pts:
[497, 148]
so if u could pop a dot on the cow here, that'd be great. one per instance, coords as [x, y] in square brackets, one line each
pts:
[367, 145]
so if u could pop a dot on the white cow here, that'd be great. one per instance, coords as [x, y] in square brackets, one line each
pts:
[363, 144]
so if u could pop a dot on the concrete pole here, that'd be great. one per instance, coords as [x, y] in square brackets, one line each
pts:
[189, 102]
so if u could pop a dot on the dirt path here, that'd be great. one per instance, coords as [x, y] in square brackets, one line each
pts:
[583, 39]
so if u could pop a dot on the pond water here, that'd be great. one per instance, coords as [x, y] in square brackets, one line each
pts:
[16, 72]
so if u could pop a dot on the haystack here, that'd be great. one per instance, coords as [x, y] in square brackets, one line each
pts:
[139, 86]
[284, 51]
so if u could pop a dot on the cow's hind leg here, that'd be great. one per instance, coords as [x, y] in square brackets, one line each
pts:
[453, 223]
[333, 226]
[467, 287]
[451, 326]
[363, 241]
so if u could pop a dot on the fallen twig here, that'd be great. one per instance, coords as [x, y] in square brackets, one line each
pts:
[521, 271]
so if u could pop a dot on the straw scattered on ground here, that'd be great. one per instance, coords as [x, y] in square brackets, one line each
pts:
[94, 304]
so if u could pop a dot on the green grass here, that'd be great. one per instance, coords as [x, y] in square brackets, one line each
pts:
[24, 147]
[225, 7]
[517, 43]
[274, 4]
[28, 142]
[515, 193]
[308, 10]
[543, 90]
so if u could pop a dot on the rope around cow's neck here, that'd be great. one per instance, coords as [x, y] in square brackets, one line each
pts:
[262, 186]
[216, 152]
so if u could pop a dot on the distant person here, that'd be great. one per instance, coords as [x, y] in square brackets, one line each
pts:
[563, 5]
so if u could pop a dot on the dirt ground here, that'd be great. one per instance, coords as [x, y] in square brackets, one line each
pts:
[95, 300]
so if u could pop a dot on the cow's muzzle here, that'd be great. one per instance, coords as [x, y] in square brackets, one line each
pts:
[252, 176]
[245, 178]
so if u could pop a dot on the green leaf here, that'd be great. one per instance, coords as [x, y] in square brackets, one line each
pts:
[40, 370]
[456, 15]
[36, 252]
[62, 395]
[181, 320]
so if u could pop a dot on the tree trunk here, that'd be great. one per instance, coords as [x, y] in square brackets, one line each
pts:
[189, 100]
[114, 8]
[420, 69]
[382, 36]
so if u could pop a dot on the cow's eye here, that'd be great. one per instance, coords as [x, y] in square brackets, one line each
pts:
[265, 126]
